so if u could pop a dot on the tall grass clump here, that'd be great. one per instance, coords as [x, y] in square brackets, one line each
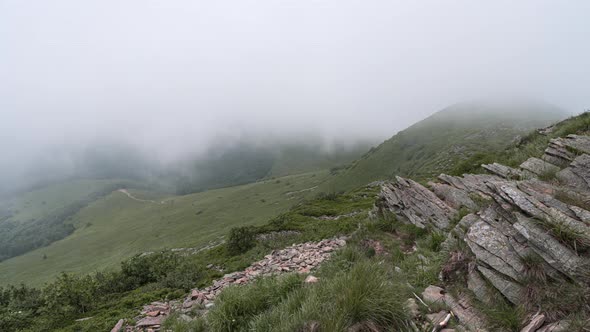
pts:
[363, 298]
[177, 324]
[237, 305]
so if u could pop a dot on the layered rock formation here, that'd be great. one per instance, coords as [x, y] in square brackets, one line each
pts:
[515, 216]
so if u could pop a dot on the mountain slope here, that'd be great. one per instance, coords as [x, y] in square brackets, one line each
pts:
[437, 143]
[117, 226]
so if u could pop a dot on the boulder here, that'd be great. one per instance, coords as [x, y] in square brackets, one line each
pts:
[538, 166]
[508, 287]
[415, 204]
[494, 249]
[505, 172]
[551, 250]
[433, 294]
[456, 198]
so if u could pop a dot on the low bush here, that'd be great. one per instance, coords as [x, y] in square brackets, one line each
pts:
[240, 240]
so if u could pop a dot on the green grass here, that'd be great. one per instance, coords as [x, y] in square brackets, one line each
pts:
[531, 145]
[116, 227]
[38, 203]
[437, 144]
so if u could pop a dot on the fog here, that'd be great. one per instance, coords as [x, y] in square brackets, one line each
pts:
[173, 77]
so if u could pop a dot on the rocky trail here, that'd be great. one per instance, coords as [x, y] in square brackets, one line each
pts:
[126, 192]
[515, 217]
[300, 258]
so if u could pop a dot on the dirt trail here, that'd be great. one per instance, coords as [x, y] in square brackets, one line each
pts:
[124, 191]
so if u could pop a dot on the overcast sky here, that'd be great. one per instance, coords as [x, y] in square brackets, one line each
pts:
[171, 75]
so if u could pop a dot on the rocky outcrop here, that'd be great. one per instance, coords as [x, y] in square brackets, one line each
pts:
[413, 203]
[538, 166]
[460, 306]
[518, 215]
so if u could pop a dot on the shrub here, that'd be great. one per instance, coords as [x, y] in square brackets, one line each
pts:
[240, 240]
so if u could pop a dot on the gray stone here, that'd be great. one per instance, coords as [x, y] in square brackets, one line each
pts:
[415, 204]
[466, 312]
[456, 198]
[509, 288]
[494, 249]
[561, 326]
[538, 166]
[551, 250]
[433, 294]
[536, 322]
[479, 287]
[503, 171]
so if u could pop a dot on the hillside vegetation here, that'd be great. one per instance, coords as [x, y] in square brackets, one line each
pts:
[387, 258]
[437, 143]
[36, 219]
[115, 227]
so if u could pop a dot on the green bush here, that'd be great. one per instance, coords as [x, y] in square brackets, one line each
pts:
[240, 240]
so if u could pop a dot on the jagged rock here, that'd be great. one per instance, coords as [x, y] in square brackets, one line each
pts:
[454, 197]
[479, 287]
[536, 322]
[577, 175]
[433, 294]
[493, 248]
[118, 326]
[414, 203]
[561, 326]
[509, 288]
[458, 232]
[538, 166]
[557, 153]
[551, 250]
[578, 143]
[466, 312]
[503, 171]
[474, 184]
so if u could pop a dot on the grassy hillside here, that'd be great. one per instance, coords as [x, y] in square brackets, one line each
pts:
[438, 143]
[38, 203]
[40, 217]
[116, 226]
[531, 145]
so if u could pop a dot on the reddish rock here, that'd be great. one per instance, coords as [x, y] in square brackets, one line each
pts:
[153, 313]
[150, 321]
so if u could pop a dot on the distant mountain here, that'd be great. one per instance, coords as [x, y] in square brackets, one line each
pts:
[248, 162]
[438, 142]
